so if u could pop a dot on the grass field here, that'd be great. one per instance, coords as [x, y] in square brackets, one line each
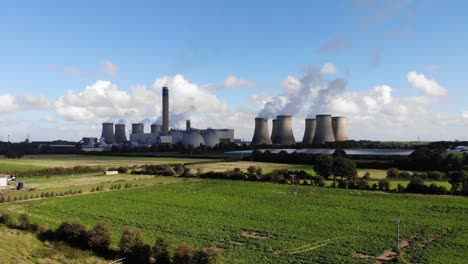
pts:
[271, 223]
[38, 162]
[243, 165]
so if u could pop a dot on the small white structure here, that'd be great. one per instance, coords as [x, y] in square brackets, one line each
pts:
[3, 180]
[110, 172]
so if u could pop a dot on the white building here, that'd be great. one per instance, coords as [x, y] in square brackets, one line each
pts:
[3, 180]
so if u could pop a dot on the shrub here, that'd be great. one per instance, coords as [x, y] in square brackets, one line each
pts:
[100, 236]
[25, 223]
[184, 254]
[384, 184]
[72, 232]
[2, 199]
[122, 170]
[7, 219]
[161, 250]
[392, 173]
[134, 246]
[209, 255]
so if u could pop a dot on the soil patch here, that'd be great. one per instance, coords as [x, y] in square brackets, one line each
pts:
[250, 234]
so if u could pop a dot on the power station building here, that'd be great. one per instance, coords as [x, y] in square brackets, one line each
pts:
[161, 134]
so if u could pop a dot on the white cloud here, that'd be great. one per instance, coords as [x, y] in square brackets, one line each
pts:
[13, 103]
[328, 68]
[426, 85]
[465, 114]
[234, 82]
[291, 84]
[103, 100]
[110, 68]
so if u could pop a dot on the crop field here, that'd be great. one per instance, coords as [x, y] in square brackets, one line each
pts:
[39, 162]
[271, 223]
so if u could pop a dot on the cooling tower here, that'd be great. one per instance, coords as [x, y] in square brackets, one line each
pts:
[165, 109]
[137, 128]
[108, 132]
[155, 129]
[324, 130]
[120, 136]
[283, 132]
[339, 128]
[309, 132]
[261, 134]
[273, 131]
[187, 125]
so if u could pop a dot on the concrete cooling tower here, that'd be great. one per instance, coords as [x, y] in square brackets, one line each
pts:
[108, 132]
[284, 134]
[211, 139]
[193, 139]
[310, 125]
[137, 128]
[261, 134]
[339, 128]
[120, 136]
[324, 130]
[165, 109]
[155, 129]
[273, 131]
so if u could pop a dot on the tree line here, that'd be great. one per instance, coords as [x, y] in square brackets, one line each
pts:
[133, 245]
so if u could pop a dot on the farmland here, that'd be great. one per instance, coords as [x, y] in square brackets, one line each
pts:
[264, 222]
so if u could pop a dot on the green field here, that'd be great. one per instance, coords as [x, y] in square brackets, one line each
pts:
[291, 223]
[243, 165]
[47, 161]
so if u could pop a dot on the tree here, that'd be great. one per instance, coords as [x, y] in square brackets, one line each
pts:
[134, 246]
[183, 254]
[343, 167]
[456, 179]
[392, 173]
[161, 250]
[384, 184]
[324, 165]
[208, 255]
[416, 185]
[72, 232]
[100, 237]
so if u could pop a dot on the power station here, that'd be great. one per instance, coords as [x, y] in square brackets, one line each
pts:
[318, 130]
[161, 134]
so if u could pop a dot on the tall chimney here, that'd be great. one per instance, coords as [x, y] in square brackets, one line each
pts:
[324, 130]
[261, 134]
[310, 125]
[284, 134]
[187, 124]
[120, 136]
[137, 128]
[339, 128]
[108, 132]
[165, 110]
[155, 129]
[273, 131]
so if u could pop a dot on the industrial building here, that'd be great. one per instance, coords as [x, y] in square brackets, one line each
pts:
[323, 128]
[159, 134]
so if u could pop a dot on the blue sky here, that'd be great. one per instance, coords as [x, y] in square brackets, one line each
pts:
[48, 48]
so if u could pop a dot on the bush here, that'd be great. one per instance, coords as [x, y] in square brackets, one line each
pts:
[72, 232]
[2, 199]
[184, 254]
[134, 246]
[209, 255]
[384, 184]
[25, 224]
[7, 219]
[100, 236]
[393, 173]
[161, 250]
[122, 170]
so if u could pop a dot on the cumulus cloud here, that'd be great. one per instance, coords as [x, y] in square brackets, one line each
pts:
[328, 68]
[110, 68]
[103, 100]
[13, 103]
[234, 82]
[429, 86]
